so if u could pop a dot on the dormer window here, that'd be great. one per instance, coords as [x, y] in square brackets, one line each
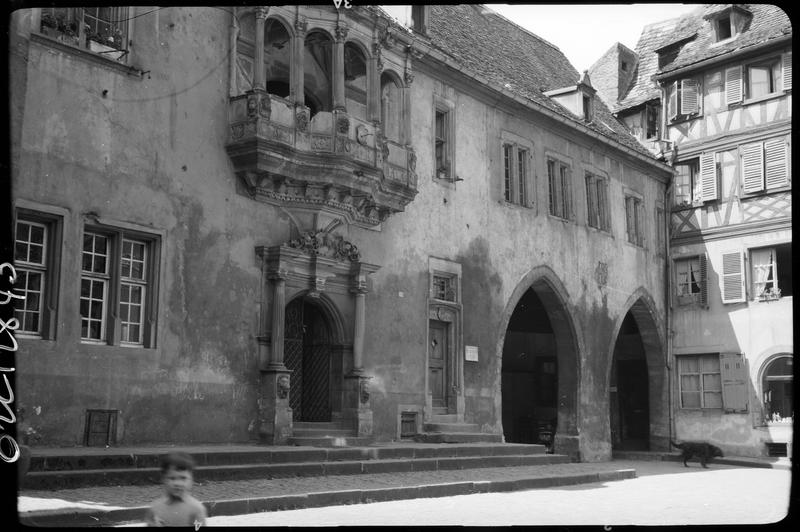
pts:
[724, 30]
[587, 108]
[419, 21]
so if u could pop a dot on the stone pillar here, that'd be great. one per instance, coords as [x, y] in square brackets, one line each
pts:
[233, 89]
[338, 69]
[358, 332]
[357, 393]
[298, 68]
[278, 279]
[405, 122]
[374, 67]
[259, 75]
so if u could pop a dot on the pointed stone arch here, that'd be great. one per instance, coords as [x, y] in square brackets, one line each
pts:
[550, 291]
[642, 310]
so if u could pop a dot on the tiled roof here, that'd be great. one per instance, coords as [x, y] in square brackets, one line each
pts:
[768, 22]
[507, 55]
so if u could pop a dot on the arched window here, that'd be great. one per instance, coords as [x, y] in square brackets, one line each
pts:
[318, 66]
[355, 81]
[277, 56]
[391, 106]
[777, 385]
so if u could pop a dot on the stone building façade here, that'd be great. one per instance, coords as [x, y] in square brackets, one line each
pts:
[241, 224]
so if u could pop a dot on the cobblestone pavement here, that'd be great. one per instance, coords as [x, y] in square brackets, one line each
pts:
[208, 491]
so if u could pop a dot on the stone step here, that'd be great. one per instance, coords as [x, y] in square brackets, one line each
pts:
[451, 427]
[458, 437]
[321, 432]
[92, 458]
[150, 475]
[325, 439]
[332, 425]
[444, 418]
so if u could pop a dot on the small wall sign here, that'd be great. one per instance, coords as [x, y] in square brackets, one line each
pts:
[471, 353]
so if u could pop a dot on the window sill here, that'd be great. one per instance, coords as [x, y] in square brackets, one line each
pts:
[684, 118]
[606, 232]
[559, 218]
[87, 55]
[766, 97]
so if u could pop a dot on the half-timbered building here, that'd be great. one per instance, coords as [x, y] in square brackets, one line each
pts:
[720, 82]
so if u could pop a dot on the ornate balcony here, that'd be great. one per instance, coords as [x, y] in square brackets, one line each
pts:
[331, 162]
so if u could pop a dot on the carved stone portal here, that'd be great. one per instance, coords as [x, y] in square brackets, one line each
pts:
[324, 270]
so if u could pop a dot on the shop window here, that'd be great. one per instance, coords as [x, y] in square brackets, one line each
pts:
[559, 178]
[597, 202]
[771, 272]
[36, 261]
[117, 290]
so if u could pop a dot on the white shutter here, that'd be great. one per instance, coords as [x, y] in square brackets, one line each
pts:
[673, 101]
[733, 84]
[732, 277]
[787, 71]
[753, 167]
[776, 170]
[708, 176]
[689, 96]
[733, 372]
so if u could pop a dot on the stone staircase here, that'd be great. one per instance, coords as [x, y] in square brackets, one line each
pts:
[54, 469]
[445, 428]
[326, 434]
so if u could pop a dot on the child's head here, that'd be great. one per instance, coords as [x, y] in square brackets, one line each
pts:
[176, 473]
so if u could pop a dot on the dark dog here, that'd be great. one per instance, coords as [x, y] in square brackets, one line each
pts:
[705, 452]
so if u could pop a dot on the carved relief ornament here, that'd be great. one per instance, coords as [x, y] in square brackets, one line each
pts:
[324, 244]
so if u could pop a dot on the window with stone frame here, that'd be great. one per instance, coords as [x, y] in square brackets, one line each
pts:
[634, 220]
[36, 261]
[559, 179]
[117, 292]
[516, 173]
[598, 215]
[444, 287]
[103, 30]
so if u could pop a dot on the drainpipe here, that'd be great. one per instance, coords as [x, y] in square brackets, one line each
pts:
[668, 298]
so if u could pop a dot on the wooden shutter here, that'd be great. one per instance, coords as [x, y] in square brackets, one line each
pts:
[753, 167]
[787, 71]
[708, 177]
[689, 96]
[673, 101]
[733, 371]
[732, 277]
[733, 84]
[703, 280]
[775, 170]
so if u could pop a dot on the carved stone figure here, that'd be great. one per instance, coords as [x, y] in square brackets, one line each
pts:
[283, 386]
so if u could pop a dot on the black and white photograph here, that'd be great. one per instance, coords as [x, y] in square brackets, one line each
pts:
[350, 264]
